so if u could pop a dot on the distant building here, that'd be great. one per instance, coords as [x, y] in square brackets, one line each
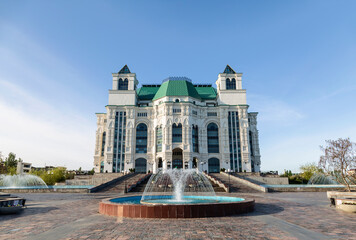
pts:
[23, 167]
[177, 124]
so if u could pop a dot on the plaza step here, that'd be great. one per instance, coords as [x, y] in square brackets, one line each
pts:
[234, 185]
[216, 187]
[140, 187]
[120, 185]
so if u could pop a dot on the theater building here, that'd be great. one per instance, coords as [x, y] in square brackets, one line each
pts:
[177, 124]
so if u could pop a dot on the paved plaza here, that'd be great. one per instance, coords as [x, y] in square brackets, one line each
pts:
[277, 216]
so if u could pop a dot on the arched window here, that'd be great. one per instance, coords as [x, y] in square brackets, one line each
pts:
[141, 138]
[177, 100]
[213, 138]
[195, 163]
[177, 133]
[233, 83]
[230, 84]
[123, 84]
[103, 144]
[213, 165]
[195, 138]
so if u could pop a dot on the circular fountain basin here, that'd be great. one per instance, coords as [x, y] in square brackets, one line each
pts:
[166, 207]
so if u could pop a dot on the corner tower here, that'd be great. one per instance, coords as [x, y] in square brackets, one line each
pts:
[229, 86]
[123, 90]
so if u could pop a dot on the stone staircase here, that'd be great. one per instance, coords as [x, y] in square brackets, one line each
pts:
[216, 187]
[119, 186]
[234, 185]
[140, 188]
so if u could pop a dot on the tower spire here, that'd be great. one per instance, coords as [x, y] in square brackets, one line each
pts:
[228, 69]
[125, 69]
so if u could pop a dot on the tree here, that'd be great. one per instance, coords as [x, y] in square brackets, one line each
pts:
[11, 161]
[338, 158]
[91, 172]
[287, 173]
[308, 170]
[51, 177]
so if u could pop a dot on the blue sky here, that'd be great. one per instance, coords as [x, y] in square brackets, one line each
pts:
[56, 60]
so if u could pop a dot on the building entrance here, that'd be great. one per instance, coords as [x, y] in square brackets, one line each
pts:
[177, 158]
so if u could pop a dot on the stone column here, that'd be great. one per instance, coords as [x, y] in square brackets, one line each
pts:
[154, 170]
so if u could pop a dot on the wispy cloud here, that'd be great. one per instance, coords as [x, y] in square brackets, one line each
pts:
[292, 150]
[274, 111]
[38, 120]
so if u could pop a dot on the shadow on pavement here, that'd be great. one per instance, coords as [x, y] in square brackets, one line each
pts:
[265, 209]
[27, 212]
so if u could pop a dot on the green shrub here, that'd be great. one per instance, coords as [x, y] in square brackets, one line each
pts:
[52, 176]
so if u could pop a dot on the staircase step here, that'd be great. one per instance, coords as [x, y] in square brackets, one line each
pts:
[234, 185]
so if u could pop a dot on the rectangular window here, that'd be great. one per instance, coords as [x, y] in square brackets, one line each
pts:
[212, 114]
[176, 110]
[251, 152]
[142, 114]
[159, 139]
[177, 133]
[234, 141]
[195, 112]
[195, 139]
[119, 142]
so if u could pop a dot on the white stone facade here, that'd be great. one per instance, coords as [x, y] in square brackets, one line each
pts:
[118, 146]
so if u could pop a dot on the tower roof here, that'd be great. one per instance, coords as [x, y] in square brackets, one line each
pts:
[176, 87]
[228, 70]
[125, 69]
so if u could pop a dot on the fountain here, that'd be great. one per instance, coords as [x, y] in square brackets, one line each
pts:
[176, 193]
[174, 186]
[321, 179]
[21, 180]
[12, 204]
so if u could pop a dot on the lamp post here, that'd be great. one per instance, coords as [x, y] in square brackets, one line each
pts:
[228, 172]
[127, 162]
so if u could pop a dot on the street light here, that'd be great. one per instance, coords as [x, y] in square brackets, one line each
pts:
[228, 172]
[127, 162]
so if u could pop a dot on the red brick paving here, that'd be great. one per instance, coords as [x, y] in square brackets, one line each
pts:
[75, 216]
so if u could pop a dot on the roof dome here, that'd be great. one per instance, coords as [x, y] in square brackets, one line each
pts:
[177, 87]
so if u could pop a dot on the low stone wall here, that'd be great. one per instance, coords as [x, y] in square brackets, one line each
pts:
[49, 190]
[96, 179]
[246, 182]
[302, 189]
[333, 195]
[268, 180]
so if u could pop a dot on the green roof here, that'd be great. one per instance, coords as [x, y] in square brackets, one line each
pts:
[146, 93]
[206, 93]
[176, 88]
